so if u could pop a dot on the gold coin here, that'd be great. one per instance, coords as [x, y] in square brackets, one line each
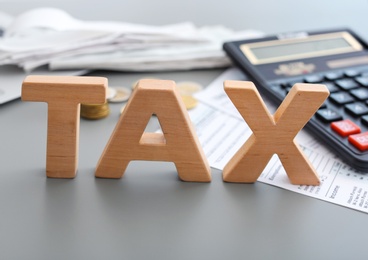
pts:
[122, 94]
[94, 111]
[188, 87]
[189, 101]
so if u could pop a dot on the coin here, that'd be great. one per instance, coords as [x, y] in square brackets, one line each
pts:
[94, 111]
[122, 94]
[189, 101]
[188, 87]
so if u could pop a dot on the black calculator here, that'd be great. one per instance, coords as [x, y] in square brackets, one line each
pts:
[335, 58]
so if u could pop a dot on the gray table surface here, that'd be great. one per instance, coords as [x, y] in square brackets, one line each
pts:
[150, 213]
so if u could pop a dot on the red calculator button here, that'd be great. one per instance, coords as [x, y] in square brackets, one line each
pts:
[360, 141]
[345, 127]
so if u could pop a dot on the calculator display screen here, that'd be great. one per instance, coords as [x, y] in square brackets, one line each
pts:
[305, 47]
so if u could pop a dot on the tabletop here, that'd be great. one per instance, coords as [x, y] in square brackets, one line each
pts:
[150, 213]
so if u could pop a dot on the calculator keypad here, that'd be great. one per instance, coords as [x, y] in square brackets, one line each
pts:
[345, 113]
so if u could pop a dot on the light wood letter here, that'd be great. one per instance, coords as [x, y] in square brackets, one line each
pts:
[63, 95]
[273, 133]
[178, 143]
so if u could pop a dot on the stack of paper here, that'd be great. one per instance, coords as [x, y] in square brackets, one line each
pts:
[51, 36]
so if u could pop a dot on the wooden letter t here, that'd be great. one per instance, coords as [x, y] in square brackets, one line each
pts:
[63, 95]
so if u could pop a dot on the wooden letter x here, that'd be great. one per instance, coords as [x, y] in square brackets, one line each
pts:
[63, 95]
[273, 134]
[178, 143]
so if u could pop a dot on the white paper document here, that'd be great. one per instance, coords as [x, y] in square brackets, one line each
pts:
[51, 36]
[222, 131]
[220, 134]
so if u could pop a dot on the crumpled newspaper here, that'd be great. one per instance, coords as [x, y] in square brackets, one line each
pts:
[51, 36]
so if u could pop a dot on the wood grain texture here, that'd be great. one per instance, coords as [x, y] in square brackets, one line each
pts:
[178, 143]
[63, 95]
[273, 134]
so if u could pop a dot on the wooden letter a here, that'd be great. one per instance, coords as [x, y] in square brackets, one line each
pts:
[178, 143]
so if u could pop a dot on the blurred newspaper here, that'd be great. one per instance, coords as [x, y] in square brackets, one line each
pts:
[51, 36]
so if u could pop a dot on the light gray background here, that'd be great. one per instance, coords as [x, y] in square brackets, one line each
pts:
[149, 213]
[269, 16]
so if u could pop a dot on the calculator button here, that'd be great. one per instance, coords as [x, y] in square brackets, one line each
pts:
[360, 93]
[341, 98]
[345, 127]
[333, 75]
[363, 80]
[328, 115]
[351, 73]
[313, 79]
[357, 109]
[346, 84]
[364, 72]
[330, 86]
[360, 141]
[365, 119]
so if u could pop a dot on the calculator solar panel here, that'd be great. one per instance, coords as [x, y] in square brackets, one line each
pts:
[335, 58]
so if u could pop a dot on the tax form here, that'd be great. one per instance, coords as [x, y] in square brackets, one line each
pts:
[222, 131]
